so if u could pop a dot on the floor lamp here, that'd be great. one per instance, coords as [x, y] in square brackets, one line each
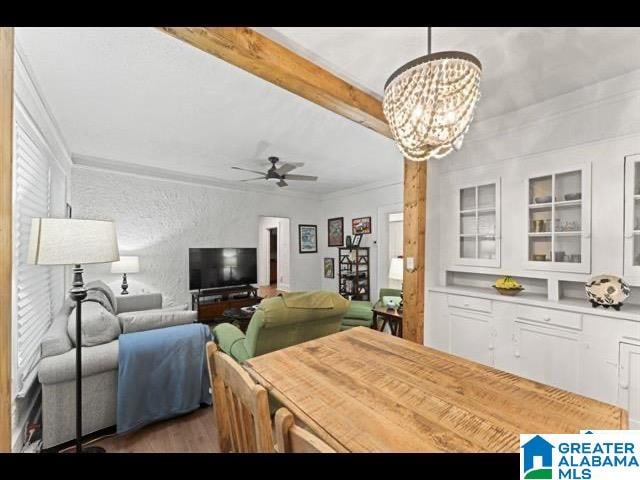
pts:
[66, 241]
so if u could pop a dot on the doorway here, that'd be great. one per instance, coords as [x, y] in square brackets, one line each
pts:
[390, 242]
[274, 255]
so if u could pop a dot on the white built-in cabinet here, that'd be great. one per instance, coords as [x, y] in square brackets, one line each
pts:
[629, 381]
[479, 224]
[574, 351]
[547, 354]
[632, 217]
[472, 336]
[558, 220]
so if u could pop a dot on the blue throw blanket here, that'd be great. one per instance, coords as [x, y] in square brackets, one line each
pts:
[161, 373]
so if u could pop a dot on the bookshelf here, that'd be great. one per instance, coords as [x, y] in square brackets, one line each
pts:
[354, 273]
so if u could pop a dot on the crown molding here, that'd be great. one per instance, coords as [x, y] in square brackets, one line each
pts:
[617, 89]
[156, 173]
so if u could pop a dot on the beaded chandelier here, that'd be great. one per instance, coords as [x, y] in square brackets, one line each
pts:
[430, 101]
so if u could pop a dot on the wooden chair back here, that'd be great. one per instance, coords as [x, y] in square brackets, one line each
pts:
[291, 438]
[241, 407]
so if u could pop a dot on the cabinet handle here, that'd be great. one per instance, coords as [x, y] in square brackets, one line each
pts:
[546, 318]
[628, 235]
[587, 235]
[491, 347]
[624, 386]
[516, 353]
[466, 304]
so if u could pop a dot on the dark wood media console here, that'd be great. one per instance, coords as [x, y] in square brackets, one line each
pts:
[212, 303]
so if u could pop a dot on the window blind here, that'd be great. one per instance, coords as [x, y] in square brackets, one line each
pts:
[33, 292]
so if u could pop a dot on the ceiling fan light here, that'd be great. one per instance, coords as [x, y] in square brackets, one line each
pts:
[430, 101]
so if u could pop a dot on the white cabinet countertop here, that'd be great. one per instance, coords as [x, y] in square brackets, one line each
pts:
[628, 311]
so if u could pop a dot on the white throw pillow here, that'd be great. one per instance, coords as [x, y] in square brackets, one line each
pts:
[98, 325]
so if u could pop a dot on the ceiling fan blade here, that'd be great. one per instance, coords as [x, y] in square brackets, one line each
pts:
[282, 183]
[301, 177]
[248, 170]
[252, 179]
[286, 168]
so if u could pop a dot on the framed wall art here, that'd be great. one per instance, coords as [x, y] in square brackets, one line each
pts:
[335, 232]
[329, 268]
[361, 225]
[308, 238]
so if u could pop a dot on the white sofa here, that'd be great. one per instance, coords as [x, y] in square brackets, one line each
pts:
[99, 367]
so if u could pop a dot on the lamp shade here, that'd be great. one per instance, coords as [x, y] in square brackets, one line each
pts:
[70, 241]
[395, 270]
[126, 264]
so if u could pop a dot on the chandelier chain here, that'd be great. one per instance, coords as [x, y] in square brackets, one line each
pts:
[429, 40]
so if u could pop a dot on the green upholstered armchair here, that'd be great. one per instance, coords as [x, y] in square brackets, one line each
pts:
[360, 312]
[282, 321]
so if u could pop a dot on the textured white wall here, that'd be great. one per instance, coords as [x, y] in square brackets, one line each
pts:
[160, 219]
[355, 205]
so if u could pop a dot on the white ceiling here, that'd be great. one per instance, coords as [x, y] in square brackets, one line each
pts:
[521, 66]
[137, 96]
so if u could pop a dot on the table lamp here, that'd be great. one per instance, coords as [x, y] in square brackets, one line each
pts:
[126, 264]
[66, 241]
[395, 273]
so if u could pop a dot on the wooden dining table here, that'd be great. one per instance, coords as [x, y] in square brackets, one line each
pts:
[361, 390]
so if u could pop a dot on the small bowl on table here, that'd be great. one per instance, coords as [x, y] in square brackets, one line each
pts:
[508, 291]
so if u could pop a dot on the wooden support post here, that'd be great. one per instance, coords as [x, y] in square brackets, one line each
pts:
[415, 217]
[6, 250]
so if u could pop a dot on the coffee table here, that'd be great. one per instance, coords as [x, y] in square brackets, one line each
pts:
[238, 316]
[390, 316]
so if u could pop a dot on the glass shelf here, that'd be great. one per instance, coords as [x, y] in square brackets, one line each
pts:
[478, 218]
[555, 219]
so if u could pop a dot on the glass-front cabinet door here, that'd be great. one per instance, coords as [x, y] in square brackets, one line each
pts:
[558, 221]
[632, 220]
[479, 225]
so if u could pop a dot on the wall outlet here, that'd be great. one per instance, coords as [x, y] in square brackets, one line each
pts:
[410, 264]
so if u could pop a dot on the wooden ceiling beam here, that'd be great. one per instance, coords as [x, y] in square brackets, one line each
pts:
[257, 54]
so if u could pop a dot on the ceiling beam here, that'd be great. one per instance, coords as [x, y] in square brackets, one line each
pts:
[257, 54]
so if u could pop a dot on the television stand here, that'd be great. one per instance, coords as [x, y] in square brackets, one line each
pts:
[211, 303]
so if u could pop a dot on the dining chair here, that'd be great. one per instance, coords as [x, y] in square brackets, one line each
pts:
[291, 438]
[241, 406]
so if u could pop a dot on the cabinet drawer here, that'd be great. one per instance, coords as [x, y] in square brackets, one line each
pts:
[469, 303]
[550, 316]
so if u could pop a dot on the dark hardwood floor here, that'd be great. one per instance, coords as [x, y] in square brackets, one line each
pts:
[194, 432]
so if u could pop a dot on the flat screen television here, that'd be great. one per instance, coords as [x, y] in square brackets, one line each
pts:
[221, 267]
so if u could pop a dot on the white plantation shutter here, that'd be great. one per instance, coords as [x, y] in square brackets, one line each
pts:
[32, 295]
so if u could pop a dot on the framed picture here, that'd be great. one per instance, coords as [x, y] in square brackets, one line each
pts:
[335, 229]
[308, 238]
[329, 268]
[356, 240]
[361, 225]
[68, 211]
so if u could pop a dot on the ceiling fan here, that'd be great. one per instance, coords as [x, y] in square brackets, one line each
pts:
[280, 173]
